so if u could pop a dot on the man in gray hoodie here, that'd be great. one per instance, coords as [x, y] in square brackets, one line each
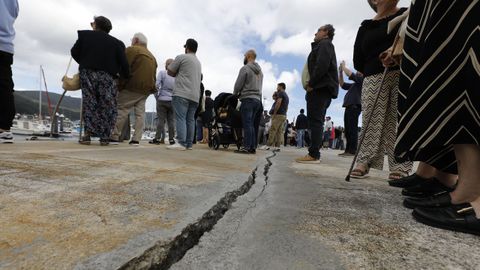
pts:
[248, 88]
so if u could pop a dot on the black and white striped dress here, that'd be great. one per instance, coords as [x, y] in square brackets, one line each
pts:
[439, 98]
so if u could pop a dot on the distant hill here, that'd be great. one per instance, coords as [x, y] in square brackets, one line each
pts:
[26, 102]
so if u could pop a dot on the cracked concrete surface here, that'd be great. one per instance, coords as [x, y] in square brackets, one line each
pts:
[143, 208]
[308, 217]
[67, 206]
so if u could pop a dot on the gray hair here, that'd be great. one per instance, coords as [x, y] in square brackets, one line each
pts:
[142, 39]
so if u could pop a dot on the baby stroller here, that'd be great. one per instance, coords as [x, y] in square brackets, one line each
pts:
[226, 128]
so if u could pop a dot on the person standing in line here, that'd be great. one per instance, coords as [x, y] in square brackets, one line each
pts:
[322, 86]
[134, 91]
[187, 70]
[265, 118]
[8, 13]
[207, 115]
[279, 119]
[164, 86]
[248, 87]
[352, 103]
[380, 135]
[301, 125]
[101, 58]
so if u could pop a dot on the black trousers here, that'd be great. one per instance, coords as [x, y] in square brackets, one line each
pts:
[7, 104]
[350, 119]
[318, 100]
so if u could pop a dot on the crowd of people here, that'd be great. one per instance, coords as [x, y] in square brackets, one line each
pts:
[415, 79]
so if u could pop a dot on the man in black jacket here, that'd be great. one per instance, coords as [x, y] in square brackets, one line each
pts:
[301, 125]
[321, 88]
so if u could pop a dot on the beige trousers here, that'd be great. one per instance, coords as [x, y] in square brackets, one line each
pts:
[126, 101]
[276, 132]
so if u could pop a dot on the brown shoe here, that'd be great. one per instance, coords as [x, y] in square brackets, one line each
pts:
[308, 160]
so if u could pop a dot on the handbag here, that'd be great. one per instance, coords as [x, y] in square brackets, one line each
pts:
[73, 83]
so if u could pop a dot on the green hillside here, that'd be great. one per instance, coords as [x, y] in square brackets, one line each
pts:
[26, 102]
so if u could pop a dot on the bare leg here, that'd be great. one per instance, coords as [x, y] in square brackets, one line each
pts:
[468, 188]
[425, 171]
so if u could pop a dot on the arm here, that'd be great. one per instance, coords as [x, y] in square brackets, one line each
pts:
[358, 56]
[240, 82]
[172, 69]
[76, 50]
[278, 103]
[124, 63]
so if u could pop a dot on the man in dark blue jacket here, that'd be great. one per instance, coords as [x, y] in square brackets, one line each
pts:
[321, 88]
[301, 125]
[353, 107]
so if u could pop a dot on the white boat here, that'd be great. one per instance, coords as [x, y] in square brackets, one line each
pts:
[25, 125]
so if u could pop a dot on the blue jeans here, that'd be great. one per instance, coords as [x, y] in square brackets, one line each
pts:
[318, 100]
[251, 110]
[300, 137]
[185, 119]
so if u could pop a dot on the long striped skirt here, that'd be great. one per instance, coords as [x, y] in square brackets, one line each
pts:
[99, 94]
[440, 82]
[381, 133]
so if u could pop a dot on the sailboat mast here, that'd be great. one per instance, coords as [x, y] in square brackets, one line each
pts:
[40, 96]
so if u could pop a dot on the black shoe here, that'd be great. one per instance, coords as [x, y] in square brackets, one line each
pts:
[154, 141]
[407, 181]
[104, 142]
[172, 142]
[426, 189]
[114, 142]
[252, 151]
[449, 218]
[134, 143]
[242, 151]
[439, 200]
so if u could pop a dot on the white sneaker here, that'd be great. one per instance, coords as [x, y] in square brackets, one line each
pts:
[6, 137]
[264, 147]
[177, 146]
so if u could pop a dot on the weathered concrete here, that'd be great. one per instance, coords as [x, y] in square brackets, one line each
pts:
[307, 217]
[65, 206]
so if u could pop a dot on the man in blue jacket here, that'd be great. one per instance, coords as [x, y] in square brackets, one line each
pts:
[321, 88]
[8, 14]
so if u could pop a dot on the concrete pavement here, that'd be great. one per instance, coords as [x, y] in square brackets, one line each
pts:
[67, 206]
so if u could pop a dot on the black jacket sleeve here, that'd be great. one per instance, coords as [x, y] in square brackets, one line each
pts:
[76, 50]
[122, 59]
[358, 56]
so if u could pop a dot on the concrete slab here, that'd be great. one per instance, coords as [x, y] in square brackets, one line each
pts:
[307, 217]
[68, 206]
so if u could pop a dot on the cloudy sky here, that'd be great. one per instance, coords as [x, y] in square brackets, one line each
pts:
[280, 30]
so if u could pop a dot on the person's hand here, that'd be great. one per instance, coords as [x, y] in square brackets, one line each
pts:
[387, 59]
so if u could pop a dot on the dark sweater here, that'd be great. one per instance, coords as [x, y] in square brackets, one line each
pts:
[97, 50]
[302, 122]
[372, 39]
[322, 67]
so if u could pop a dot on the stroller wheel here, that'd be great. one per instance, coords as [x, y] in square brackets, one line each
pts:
[215, 143]
[226, 146]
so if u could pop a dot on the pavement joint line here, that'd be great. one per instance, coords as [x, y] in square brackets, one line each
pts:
[164, 254]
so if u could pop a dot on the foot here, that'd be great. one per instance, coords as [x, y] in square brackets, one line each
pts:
[177, 146]
[243, 151]
[85, 140]
[359, 172]
[264, 147]
[134, 143]
[449, 218]
[408, 181]
[114, 142]
[171, 142]
[308, 160]
[436, 201]
[154, 141]
[426, 189]
[396, 175]
[104, 142]
[6, 137]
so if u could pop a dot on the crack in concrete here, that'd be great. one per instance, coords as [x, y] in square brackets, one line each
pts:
[164, 254]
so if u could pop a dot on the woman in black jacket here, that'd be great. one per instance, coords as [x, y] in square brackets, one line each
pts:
[101, 60]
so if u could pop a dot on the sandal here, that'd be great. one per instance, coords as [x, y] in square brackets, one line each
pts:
[395, 175]
[359, 173]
